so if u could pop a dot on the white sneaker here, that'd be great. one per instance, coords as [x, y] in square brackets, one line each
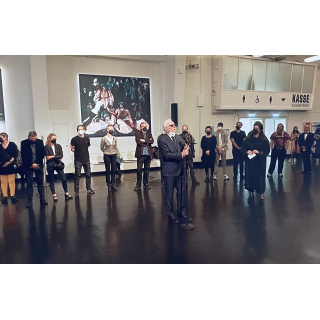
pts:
[225, 177]
[269, 175]
[214, 177]
[289, 161]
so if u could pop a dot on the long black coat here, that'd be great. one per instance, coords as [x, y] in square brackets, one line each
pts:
[255, 170]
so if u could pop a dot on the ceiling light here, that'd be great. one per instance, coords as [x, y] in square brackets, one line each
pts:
[311, 59]
[258, 56]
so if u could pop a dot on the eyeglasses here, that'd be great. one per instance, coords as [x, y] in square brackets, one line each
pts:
[172, 125]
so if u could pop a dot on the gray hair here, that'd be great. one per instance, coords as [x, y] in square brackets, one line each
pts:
[165, 124]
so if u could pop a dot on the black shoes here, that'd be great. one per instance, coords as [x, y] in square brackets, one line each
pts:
[4, 200]
[55, 199]
[196, 182]
[146, 186]
[43, 201]
[29, 204]
[172, 218]
[112, 188]
[136, 188]
[90, 192]
[68, 197]
[14, 199]
[251, 196]
[261, 201]
[184, 217]
[76, 193]
[207, 178]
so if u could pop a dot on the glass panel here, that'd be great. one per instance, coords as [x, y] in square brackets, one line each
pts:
[284, 77]
[272, 76]
[230, 73]
[259, 75]
[308, 79]
[296, 81]
[245, 74]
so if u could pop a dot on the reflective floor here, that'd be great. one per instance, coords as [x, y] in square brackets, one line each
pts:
[132, 227]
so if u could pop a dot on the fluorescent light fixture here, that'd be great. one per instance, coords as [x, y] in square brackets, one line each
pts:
[251, 115]
[258, 56]
[311, 59]
[276, 114]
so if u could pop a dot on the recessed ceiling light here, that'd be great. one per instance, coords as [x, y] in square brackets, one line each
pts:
[311, 59]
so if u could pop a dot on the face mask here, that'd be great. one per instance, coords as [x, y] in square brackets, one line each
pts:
[255, 131]
[53, 140]
[184, 131]
[144, 129]
[238, 128]
[80, 132]
[219, 128]
[208, 132]
[111, 131]
[1, 140]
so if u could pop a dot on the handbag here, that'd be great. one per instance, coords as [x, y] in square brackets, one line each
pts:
[58, 164]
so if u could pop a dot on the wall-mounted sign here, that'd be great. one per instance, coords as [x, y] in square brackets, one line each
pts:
[301, 100]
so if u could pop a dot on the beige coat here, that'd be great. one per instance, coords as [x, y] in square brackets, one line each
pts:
[293, 144]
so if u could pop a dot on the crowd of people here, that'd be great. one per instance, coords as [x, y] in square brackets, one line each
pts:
[175, 152]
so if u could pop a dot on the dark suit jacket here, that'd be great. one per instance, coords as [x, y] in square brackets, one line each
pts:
[141, 145]
[171, 155]
[306, 143]
[26, 153]
[57, 156]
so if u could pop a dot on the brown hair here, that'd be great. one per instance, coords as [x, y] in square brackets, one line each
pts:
[32, 134]
[49, 138]
[4, 134]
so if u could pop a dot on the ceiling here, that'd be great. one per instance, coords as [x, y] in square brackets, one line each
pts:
[289, 58]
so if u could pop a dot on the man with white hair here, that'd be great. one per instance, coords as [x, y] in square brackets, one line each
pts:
[173, 150]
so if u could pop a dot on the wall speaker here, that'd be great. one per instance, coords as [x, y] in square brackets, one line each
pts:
[174, 113]
[200, 100]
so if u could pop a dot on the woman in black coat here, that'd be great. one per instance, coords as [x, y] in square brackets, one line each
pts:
[54, 154]
[208, 146]
[8, 154]
[256, 146]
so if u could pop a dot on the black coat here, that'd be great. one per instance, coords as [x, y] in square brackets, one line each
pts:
[26, 152]
[140, 145]
[57, 156]
[306, 143]
[6, 154]
[171, 155]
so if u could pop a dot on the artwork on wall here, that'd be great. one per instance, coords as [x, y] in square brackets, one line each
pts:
[123, 102]
[2, 118]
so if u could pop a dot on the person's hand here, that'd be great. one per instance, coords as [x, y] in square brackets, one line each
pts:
[249, 152]
[6, 164]
[208, 152]
[304, 148]
[185, 152]
[49, 157]
[255, 151]
[34, 165]
[142, 140]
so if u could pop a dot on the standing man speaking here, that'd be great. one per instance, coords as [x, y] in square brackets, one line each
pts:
[173, 150]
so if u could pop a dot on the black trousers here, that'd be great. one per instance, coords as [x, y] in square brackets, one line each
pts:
[61, 175]
[306, 160]
[77, 174]
[39, 179]
[237, 161]
[171, 183]
[277, 154]
[110, 160]
[144, 161]
[188, 161]
[162, 179]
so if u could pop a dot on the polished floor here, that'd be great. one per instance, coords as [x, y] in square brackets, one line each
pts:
[132, 227]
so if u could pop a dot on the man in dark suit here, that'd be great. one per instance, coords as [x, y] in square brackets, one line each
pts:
[173, 150]
[144, 155]
[32, 154]
[305, 142]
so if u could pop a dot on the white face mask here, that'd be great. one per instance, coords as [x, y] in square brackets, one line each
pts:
[80, 132]
[219, 128]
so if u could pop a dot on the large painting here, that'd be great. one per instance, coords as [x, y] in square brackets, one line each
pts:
[123, 102]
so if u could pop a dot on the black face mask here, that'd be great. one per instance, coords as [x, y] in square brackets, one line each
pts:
[238, 128]
[1, 140]
[111, 131]
[208, 132]
[255, 131]
[53, 140]
[144, 129]
[184, 131]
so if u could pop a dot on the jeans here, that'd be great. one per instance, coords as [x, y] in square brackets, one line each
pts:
[143, 161]
[39, 179]
[110, 159]
[224, 162]
[171, 183]
[86, 166]
[61, 175]
[237, 160]
[279, 154]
